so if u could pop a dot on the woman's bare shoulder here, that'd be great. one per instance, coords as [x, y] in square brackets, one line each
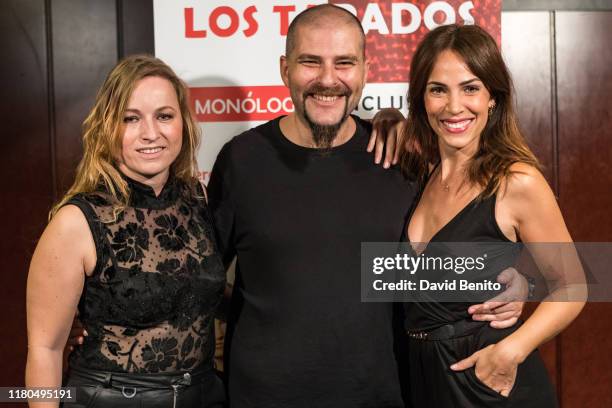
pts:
[69, 219]
[68, 234]
[524, 181]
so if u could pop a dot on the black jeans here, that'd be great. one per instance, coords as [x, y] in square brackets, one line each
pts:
[200, 388]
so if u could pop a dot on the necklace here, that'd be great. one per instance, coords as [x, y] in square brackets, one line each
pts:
[445, 185]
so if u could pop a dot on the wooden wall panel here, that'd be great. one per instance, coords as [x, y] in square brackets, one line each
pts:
[584, 72]
[526, 42]
[84, 50]
[135, 38]
[26, 182]
[584, 66]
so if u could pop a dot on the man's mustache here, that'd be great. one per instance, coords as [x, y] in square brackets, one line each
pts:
[339, 90]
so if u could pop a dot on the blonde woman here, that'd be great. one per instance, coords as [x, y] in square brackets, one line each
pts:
[131, 246]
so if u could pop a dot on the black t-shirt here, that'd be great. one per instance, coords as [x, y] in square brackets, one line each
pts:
[295, 217]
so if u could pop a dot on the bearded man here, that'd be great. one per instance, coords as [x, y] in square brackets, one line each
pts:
[293, 199]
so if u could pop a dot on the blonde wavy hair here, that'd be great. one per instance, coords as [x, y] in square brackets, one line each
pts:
[103, 131]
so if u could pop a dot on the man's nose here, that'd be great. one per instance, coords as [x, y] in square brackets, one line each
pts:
[327, 76]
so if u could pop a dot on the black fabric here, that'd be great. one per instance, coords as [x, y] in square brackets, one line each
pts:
[94, 388]
[474, 223]
[432, 383]
[296, 217]
[149, 305]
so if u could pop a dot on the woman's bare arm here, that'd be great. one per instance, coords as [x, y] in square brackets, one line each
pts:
[63, 256]
[529, 209]
[537, 217]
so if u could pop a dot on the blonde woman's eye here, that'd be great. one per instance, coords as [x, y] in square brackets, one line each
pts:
[165, 116]
[130, 119]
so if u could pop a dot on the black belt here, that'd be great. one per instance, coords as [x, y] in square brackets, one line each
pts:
[127, 382]
[131, 384]
[448, 331]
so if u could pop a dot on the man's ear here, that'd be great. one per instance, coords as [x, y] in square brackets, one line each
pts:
[284, 68]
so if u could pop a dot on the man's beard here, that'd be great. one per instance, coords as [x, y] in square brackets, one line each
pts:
[324, 135]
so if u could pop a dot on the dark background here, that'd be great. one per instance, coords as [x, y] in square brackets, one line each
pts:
[57, 53]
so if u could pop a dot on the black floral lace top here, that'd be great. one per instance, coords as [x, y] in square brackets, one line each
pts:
[149, 305]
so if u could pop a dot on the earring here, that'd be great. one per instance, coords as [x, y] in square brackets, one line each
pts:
[491, 108]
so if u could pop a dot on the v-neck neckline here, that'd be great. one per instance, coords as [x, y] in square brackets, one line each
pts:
[443, 227]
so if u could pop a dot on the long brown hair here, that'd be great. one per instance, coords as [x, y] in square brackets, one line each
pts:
[501, 142]
[102, 132]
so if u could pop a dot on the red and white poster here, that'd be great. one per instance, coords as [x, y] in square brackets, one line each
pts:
[228, 53]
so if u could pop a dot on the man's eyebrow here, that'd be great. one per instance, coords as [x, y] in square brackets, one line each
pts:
[349, 57]
[309, 56]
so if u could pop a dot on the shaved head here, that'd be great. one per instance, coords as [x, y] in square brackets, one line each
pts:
[318, 16]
